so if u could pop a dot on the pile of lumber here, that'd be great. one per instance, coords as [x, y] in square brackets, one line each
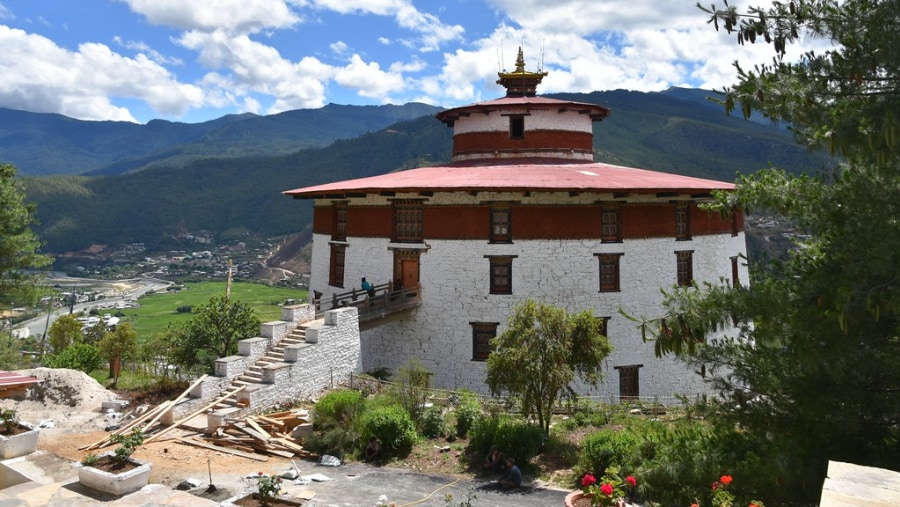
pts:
[262, 434]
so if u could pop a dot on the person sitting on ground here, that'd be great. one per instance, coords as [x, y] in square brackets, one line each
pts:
[494, 460]
[512, 478]
[373, 450]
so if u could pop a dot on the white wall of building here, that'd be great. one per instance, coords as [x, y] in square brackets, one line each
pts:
[456, 291]
[498, 121]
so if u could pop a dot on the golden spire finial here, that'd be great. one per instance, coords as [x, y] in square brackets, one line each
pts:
[520, 82]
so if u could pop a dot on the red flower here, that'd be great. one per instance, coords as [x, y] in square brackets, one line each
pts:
[715, 486]
[607, 489]
[725, 480]
[631, 481]
[695, 505]
[588, 480]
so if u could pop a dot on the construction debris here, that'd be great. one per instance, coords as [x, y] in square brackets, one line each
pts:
[266, 434]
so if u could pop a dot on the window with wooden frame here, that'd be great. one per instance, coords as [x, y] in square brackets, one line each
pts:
[735, 276]
[340, 222]
[734, 223]
[609, 272]
[408, 221]
[611, 224]
[501, 224]
[682, 222]
[482, 333]
[501, 273]
[604, 325]
[685, 267]
[336, 266]
[629, 381]
[517, 127]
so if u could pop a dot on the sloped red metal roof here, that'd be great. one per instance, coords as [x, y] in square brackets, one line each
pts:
[11, 382]
[517, 175]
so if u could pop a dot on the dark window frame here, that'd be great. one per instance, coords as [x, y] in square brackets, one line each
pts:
[610, 224]
[684, 267]
[408, 221]
[610, 271]
[629, 381]
[500, 273]
[340, 222]
[500, 224]
[682, 222]
[735, 273]
[517, 127]
[482, 333]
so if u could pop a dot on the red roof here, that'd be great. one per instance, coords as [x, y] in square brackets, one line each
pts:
[518, 175]
[11, 382]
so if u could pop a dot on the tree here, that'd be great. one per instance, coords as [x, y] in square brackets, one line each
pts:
[214, 332]
[845, 98]
[541, 353]
[18, 243]
[806, 357]
[118, 344]
[65, 331]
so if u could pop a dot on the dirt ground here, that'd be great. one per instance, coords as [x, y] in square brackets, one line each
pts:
[69, 404]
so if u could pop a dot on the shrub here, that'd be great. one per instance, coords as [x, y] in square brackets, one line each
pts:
[80, 356]
[515, 438]
[337, 407]
[390, 424]
[607, 448]
[433, 424]
[184, 309]
[467, 412]
[335, 421]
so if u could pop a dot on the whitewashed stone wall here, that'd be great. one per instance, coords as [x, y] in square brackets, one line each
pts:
[456, 291]
[498, 121]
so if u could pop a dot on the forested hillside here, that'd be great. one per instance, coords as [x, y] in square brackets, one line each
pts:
[228, 195]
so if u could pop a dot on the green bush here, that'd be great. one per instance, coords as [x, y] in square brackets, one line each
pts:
[607, 448]
[391, 425]
[80, 356]
[515, 438]
[433, 424]
[337, 407]
[335, 421]
[467, 412]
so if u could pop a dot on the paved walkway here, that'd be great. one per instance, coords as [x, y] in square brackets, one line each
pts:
[54, 483]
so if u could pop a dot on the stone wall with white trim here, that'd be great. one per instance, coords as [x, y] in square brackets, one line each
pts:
[498, 121]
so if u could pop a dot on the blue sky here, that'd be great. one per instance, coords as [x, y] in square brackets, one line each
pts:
[196, 60]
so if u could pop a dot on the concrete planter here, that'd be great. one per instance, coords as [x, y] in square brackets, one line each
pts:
[13, 446]
[118, 484]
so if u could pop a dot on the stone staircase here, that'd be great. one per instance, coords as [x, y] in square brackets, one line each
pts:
[275, 354]
[293, 358]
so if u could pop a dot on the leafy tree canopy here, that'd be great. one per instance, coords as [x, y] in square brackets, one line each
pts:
[845, 98]
[214, 332]
[18, 243]
[806, 356]
[542, 352]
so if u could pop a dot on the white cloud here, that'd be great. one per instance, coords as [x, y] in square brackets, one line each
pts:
[368, 79]
[236, 16]
[41, 76]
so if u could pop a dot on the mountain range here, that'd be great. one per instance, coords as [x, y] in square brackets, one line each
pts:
[115, 183]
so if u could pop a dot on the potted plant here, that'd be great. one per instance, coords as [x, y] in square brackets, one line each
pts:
[116, 472]
[267, 492]
[17, 438]
[610, 491]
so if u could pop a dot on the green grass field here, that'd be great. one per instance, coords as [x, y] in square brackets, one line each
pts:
[156, 311]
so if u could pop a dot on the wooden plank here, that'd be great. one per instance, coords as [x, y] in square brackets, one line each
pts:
[226, 450]
[198, 412]
[290, 445]
[273, 422]
[264, 433]
[123, 429]
[251, 432]
[175, 402]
